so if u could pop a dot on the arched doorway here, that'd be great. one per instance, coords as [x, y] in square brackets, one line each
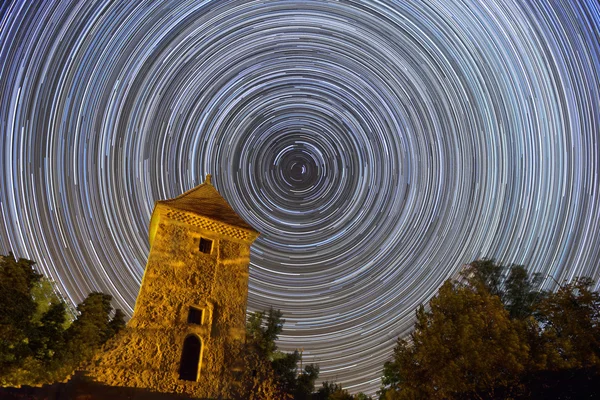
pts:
[190, 358]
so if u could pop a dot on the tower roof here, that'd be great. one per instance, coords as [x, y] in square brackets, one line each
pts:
[204, 200]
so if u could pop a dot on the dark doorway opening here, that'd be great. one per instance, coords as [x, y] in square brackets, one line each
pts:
[190, 359]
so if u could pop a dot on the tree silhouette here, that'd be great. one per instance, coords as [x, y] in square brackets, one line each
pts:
[266, 364]
[493, 335]
[38, 343]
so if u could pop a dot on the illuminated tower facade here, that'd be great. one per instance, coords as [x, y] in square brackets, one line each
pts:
[189, 317]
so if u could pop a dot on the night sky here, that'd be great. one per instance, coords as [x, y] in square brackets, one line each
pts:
[376, 145]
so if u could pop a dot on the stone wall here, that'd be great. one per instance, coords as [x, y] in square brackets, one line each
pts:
[147, 353]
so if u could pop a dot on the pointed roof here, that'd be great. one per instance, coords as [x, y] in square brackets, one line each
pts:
[204, 200]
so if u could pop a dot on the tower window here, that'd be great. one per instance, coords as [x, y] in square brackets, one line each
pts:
[195, 316]
[206, 245]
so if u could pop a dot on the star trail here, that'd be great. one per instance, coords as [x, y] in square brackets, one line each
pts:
[376, 145]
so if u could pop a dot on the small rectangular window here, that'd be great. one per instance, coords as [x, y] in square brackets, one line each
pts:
[195, 316]
[206, 245]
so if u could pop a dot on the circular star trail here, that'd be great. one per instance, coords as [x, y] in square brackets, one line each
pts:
[376, 145]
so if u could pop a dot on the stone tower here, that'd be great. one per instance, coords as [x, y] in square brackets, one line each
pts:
[189, 317]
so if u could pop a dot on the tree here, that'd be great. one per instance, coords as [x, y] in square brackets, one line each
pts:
[44, 295]
[390, 381]
[38, 343]
[92, 328]
[332, 391]
[520, 296]
[268, 364]
[494, 335]
[512, 284]
[259, 381]
[565, 344]
[485, 273]
[285, 366]
[263, 329]
[117, 323]
[305, 383]
[17, 279]
[569, 321]
[48, 338]
[465, 346]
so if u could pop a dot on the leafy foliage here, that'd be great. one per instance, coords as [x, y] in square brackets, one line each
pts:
[305, 383]
[91, 329]
[466, 343]
[493, 335]
[273, 374]
[38, 343]
[569, 326]
[513, 285]
[332, 391]
[268, 364]
[17, 279]
[335, 391]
